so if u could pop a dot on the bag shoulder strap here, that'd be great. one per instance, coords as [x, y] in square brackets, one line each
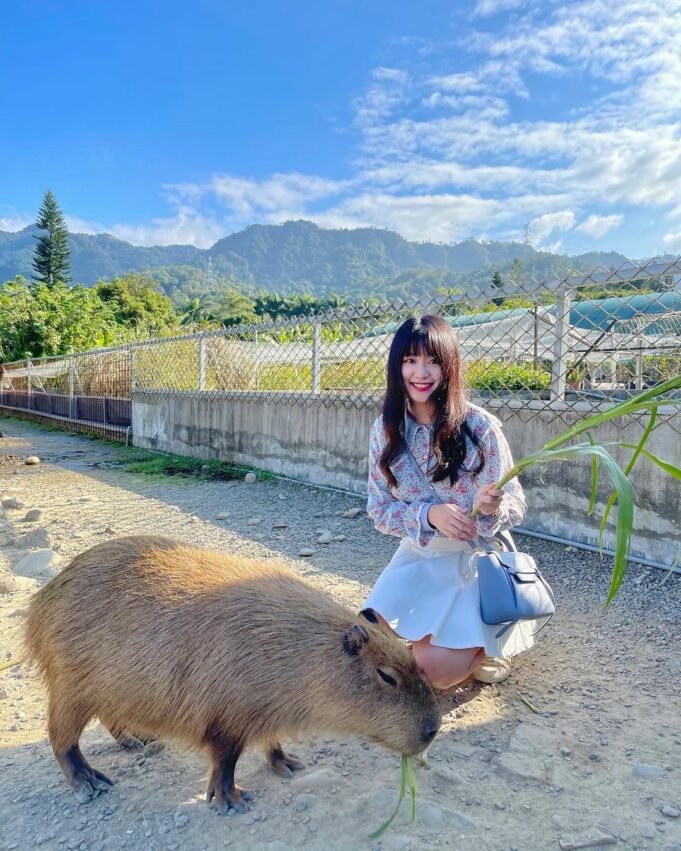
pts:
[503, 536]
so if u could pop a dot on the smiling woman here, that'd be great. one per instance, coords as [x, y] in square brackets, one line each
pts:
[428, 593]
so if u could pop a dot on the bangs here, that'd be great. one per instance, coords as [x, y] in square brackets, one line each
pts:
[419, 347]
[419, 342]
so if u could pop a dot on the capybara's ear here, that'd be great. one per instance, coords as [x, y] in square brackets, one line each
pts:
[355, 639]
[370, 615]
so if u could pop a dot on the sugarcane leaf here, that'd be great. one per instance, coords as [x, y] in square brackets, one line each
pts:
[412, 787]
[594, 476]
[625, 498]
[406, 764]
[638, 448]
[674, 472]
[647, 399]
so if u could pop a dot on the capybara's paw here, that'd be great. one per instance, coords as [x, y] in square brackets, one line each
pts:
[283, 763]
[225, 799]
[88, 783]
[129, 742]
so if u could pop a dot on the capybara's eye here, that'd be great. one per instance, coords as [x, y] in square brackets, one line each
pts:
[386, 677]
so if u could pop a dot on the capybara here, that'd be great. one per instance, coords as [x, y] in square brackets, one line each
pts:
[167, 640]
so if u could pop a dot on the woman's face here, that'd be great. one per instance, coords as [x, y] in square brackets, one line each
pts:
[422, 375]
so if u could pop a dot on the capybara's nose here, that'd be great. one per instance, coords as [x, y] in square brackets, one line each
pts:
[428, 731]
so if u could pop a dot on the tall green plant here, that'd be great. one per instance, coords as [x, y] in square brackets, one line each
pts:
[51, 259]
[556, 450]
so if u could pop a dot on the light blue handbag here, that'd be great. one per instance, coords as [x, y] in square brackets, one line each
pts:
[511, 587]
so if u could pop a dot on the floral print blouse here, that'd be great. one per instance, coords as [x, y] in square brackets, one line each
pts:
[402, 510]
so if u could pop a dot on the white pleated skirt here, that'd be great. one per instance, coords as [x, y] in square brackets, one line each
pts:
[433, 590]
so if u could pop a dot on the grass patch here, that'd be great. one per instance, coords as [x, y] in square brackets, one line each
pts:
[25, 421]
[166, 464]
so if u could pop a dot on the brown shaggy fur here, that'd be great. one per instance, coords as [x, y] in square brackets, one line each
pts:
[218, 651]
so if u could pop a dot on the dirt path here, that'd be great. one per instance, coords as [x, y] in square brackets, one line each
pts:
[602, 757]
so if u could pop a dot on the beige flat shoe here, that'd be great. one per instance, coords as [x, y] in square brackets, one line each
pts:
[492, 670]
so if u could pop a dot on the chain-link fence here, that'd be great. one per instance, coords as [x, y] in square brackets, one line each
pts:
[561, 346]
[86, 392]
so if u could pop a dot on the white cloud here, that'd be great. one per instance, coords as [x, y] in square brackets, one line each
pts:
[186, 227]
[444, 217]
[544, 226]
[396, 75]
[387, 91]
[14, 223]
[553, 247]
[598, 226]
[246, 197]
[491, 7]
[672, 242]
[459, 83]
[77, 225]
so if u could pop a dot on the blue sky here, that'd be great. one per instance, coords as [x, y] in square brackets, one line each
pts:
[166, 122]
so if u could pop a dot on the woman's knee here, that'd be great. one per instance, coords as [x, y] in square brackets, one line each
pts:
[445, 667]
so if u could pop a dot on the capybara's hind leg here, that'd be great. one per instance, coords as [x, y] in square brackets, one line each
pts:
[66, 721]
[224, 753]
[125, 740]
[283, 763]
[124, 737]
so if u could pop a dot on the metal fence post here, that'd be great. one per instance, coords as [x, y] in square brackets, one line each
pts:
[29, 389]
[72, 381]
[561, 348]
[202, 363]
[317, 358]
[638, 383]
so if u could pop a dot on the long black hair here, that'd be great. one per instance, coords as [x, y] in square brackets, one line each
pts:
[437, 339]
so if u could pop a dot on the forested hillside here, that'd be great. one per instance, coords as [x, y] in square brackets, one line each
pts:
[298, 257]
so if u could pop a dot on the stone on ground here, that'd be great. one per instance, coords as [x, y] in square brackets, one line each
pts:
[38, 565]
[12, 503]
[352, 513]
[33, 515]
[35, 538]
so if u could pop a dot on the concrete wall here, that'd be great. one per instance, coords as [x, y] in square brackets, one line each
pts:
[328, 445]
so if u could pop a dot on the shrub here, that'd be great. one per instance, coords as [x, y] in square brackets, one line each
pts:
[496, 377]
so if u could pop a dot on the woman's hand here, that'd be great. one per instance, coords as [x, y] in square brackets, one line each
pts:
[452, 521]
[488, 499]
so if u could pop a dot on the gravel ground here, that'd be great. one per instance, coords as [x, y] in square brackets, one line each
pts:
[600, 759]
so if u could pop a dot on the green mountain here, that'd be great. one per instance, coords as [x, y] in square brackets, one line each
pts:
[299, 256]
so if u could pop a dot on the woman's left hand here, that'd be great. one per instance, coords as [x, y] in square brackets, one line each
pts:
[488, 499]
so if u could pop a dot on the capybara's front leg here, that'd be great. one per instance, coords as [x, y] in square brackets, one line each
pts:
[283, 763]
[224, 753]
[67, 716]
[86, 780]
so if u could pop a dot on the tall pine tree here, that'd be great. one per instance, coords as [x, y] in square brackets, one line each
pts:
[497, 283]
[51, 259]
